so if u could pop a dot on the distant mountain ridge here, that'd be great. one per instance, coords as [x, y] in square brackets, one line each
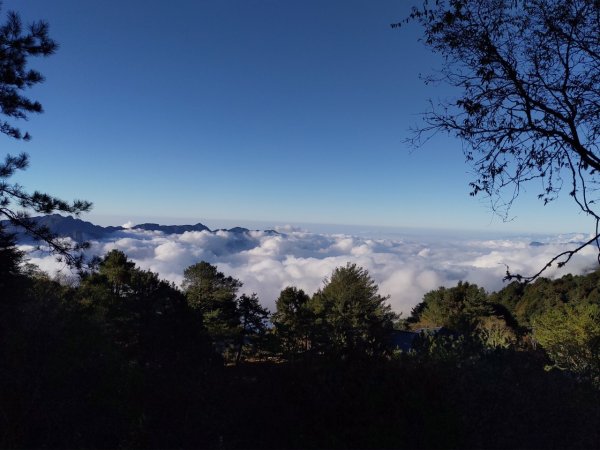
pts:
[80, 230]
[171, 229]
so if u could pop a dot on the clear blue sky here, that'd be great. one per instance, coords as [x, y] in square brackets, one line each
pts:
[272, 110]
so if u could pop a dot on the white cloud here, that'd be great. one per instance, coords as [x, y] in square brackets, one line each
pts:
[405, 269]
[288, 228]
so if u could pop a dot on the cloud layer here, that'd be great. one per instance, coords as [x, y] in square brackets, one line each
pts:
[404, 268]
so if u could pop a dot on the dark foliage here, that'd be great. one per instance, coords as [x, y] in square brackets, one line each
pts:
[253, 324]
[120, 360]
[294, 321]
[351, 319]
[214, 295]
[123, 360]
[504, 400]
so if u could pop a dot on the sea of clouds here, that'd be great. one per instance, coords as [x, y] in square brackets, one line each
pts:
[405, 267]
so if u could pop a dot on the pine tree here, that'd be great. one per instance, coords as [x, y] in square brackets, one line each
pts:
[17, 46]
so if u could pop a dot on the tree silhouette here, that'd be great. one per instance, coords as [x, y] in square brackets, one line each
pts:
[214, 295]
[352, 319]
[528, 72]
[293, 320]
[17, 46]
[253, 322]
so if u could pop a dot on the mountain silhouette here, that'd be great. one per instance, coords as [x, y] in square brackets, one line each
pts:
[80, 230]
[171, 229]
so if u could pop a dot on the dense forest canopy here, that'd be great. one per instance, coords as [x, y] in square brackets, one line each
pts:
[123, 358]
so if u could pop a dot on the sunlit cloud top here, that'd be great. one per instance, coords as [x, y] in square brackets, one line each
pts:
[404, 268]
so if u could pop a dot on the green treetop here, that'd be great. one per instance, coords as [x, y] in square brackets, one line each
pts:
[293, 320]
[213, 294]
[352, 318]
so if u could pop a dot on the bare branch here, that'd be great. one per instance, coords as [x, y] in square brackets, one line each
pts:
[529, 107]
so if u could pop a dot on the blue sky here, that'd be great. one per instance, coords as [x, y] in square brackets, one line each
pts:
[279, 111]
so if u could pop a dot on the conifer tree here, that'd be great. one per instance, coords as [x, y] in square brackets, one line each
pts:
[214, 295]
[293, 320]
[253, 322]
[17, 45]
[352, 319]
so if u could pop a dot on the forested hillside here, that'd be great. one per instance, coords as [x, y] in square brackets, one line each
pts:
[123, 359]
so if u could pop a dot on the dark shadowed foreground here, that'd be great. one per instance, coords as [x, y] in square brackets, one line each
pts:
[124, 359]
